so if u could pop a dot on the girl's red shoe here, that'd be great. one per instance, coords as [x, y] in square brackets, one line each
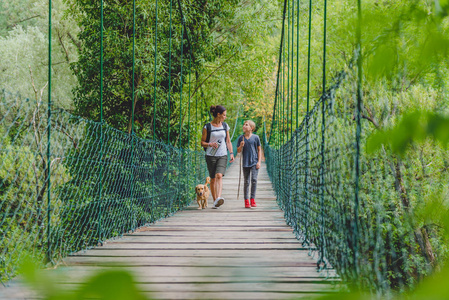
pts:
[247, 205]
[253, 203]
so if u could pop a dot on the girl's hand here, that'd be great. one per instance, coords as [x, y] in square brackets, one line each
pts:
[214, 145]
[258, 166]
[232, 158]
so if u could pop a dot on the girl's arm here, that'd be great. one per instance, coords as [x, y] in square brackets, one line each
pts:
[229, 144]
[259, 157]
[240, 147]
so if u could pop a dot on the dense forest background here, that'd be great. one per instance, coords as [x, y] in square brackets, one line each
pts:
[229, 51]
[233, 46]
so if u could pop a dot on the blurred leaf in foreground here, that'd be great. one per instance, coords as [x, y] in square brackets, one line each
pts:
[107, 285]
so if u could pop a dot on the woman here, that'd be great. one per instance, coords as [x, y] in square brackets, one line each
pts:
[216, 141]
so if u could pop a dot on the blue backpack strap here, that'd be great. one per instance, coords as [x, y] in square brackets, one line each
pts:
[225, 126]
[208, 130]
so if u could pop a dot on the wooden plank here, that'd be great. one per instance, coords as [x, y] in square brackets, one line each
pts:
[302, 260]
[229, 286]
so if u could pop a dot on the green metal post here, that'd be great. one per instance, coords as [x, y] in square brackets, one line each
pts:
[358, 135]
[133, 68]
[293, 69]
[154, 117]
[181, 151]
[49, 138]
[196, 125]
[188, 118]
[283, 95]
[190, 83]
[306, 175]
[169, 108]
[155, 80]
[323, 128]
[288, 67]
[297, 66]
[132, 117]
[100, 227]
[180, 96]
[169, 74]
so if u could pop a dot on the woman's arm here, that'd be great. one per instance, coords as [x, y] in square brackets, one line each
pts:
[203, 140]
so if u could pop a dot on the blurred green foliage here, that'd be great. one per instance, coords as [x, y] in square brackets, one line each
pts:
[413, 127]
[105, 285]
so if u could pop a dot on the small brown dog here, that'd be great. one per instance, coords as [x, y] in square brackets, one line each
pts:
[202, 193]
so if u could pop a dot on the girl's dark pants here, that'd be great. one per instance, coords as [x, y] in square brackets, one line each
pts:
[250, 173]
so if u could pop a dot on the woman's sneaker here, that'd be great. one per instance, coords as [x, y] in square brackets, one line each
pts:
[218, 202]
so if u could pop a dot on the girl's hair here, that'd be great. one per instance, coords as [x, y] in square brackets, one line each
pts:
[251, 124]
[219, 109]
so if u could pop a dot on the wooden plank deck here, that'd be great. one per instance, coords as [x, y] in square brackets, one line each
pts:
[225, 253]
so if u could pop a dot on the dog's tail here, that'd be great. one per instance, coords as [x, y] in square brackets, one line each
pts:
[208, 180]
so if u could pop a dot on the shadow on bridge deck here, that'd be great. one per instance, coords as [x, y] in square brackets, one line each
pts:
[225, 253]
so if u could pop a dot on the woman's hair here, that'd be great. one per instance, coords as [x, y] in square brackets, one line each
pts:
[219, 109]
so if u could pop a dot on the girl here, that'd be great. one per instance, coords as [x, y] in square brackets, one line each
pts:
[252, 153]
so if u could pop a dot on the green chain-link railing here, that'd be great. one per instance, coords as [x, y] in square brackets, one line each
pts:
[355, 212]
[95, 195]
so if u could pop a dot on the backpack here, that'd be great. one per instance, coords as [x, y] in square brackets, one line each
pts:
[209, 130]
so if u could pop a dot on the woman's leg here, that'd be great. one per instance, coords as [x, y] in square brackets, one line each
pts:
[218, 185]
[212, 167]
[212, 189]
[220, 171]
